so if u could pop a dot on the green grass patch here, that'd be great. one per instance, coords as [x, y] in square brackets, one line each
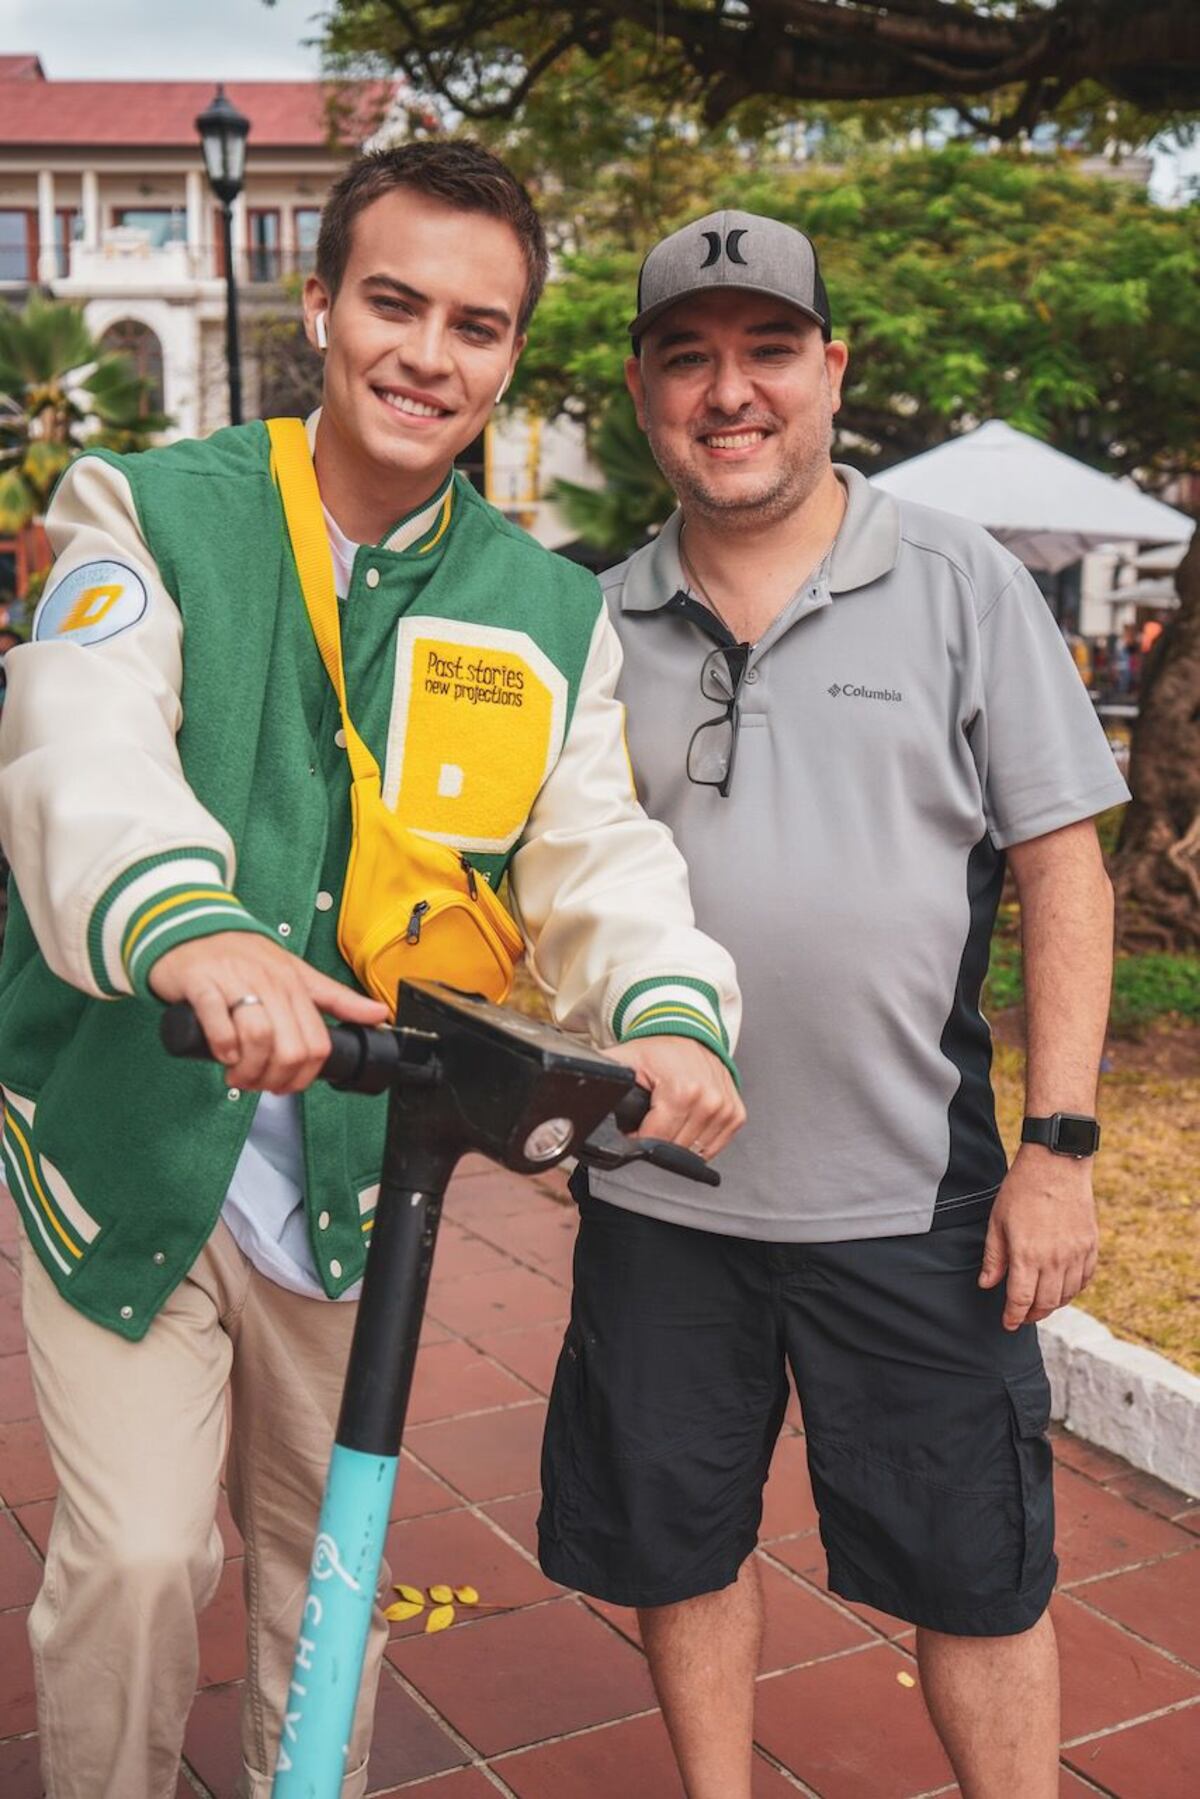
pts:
[1150, 987]
[1005, 985]
[1145, 988]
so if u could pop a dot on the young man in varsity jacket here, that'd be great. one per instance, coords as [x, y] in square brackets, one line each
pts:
[174, 803]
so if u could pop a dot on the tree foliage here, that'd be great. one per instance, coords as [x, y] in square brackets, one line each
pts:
[1104, 66]
[969, 287]
[59, 392]
[635, 496]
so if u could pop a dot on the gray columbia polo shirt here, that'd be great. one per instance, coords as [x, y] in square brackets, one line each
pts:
[911, 712]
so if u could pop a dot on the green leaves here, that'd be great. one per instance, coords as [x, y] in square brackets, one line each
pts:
[969, 286]
[44, 463]
[18, 502]
[635, 496]
[59, 392]
[42, 344]
[857, 69]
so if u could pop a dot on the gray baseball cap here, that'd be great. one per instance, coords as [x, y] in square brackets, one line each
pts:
[732, 249]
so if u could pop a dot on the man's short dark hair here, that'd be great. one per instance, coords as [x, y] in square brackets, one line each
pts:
[458, 172]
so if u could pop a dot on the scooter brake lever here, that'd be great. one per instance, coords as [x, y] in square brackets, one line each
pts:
[607, 1147]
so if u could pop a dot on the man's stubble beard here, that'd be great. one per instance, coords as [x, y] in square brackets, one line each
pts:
[777, 499]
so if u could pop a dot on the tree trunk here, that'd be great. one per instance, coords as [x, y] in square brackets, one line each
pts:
[1156, 868]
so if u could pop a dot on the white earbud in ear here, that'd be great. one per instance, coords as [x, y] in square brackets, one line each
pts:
[504, 387]
[322, 331]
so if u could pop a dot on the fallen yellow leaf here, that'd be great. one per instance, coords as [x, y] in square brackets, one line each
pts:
[441, 1595]
[412, 1594]
[403, 1609]
[466, 1595]
[439, 1618]
[906, 1680]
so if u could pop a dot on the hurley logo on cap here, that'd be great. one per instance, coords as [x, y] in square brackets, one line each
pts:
[732, 249]
[713, 240]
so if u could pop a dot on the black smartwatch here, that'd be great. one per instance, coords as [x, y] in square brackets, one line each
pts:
[1067, 1134]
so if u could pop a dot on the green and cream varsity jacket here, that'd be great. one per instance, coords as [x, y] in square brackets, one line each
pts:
[171, 766]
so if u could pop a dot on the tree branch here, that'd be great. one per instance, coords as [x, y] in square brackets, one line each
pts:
[480, 55]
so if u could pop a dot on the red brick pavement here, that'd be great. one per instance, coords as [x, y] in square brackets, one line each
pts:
[547, 1696]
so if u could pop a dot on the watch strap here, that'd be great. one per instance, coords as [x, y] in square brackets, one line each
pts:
[1079, 1138]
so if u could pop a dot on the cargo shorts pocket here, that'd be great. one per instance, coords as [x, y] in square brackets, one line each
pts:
[1029, 1406]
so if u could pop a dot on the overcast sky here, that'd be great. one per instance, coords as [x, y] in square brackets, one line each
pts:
[181, 40]
[220, 40]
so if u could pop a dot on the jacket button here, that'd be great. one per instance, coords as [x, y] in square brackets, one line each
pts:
[285, 929]
[234, 1093]
[323, 1222]
[324, 901]
[372, 577]
[158, 1258]
[339, 737]
[127, 1311]
[335, 1268]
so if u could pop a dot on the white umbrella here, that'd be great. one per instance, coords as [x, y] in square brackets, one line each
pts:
[1047, 508]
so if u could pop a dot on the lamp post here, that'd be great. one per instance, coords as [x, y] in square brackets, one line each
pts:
[223, 133]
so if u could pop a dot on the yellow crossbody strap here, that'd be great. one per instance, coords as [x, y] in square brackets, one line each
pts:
[294, 475]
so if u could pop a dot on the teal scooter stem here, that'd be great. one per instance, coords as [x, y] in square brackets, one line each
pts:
[463, 1076]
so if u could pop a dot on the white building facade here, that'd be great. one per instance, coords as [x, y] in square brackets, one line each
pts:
[104, 202]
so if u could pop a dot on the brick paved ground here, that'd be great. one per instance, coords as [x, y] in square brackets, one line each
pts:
[550, 1697]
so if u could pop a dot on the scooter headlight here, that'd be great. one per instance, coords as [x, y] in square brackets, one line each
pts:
[548, 1140]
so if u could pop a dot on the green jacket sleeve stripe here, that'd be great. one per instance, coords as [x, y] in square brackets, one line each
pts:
[155, 904]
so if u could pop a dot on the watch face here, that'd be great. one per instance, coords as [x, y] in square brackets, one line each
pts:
[1074, 1135]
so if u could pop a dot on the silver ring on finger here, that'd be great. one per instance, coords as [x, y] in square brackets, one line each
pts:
[244, 999]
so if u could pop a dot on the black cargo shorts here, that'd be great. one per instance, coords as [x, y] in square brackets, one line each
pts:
[925, 1420]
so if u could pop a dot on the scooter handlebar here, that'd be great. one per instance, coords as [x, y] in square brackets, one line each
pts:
[631, 1108]
[371, 1059]
[360, 1056]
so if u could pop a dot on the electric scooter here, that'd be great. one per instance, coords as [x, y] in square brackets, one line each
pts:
[463, 1076]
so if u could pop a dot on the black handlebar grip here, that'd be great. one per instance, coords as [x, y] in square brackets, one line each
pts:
[629, 1112]
[686, 1162]
[631, 1108]
[182, 1035]
[347, 1055]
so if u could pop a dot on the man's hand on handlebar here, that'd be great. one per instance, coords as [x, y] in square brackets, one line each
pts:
[275, 1041]
[694, 1101]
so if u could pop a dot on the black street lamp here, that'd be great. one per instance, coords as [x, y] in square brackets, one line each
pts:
[223, 133]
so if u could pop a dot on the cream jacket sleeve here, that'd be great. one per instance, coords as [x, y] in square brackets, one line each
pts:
[115, 858]
[601, 892]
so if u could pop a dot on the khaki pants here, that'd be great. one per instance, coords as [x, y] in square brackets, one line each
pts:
[137, 1433]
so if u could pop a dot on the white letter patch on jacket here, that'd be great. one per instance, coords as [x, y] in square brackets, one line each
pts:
[96, 601]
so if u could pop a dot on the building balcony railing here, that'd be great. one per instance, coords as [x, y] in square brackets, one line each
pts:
[262, 263]
[127, 258]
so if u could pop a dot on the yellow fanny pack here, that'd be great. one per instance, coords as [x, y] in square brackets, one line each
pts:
[411, 909]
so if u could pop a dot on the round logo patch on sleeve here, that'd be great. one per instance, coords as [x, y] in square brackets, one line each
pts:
[97, 601]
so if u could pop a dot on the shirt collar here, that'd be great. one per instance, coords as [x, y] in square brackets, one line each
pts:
[868, 543]
[430, 520]
[865, 549]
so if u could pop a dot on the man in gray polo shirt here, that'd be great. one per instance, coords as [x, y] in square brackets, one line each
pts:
[850, 711]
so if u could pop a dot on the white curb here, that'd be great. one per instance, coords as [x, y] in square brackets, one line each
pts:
[1123, 1397]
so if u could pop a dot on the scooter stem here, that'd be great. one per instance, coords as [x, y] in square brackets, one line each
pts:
[324, 1687]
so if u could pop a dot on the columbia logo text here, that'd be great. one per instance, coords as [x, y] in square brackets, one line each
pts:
[853, 692]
